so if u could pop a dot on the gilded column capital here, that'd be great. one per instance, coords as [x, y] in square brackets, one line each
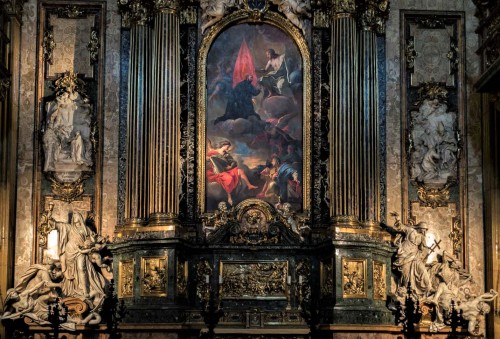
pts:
[166, 6]
[373, 15]
[136, 12]
[343, 8]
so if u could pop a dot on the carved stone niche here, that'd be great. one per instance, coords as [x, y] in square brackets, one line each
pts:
[434, 145]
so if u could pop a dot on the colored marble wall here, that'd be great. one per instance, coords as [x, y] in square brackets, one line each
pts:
[472, 182]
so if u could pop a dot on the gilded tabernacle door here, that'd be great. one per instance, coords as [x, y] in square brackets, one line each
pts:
[253, 113]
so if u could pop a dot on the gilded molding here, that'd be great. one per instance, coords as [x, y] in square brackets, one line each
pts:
[48, 45]
[93, 46]
[379, 281]
[240, 17]
[154, 276]
[254, 280]
[126, 279]
[43, 226]
[373, 14]
[354, 282]
[456, 237]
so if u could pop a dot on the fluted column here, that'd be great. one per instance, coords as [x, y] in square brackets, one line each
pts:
[164, 141]
[136, 198]
[372, 17]
[344, 116]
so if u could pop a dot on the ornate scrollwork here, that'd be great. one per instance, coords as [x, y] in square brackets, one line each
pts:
[252, 280]
[353, 278]
[373, 14]
[254, 224]
[452, 55]
[410, 54]
[456, 237]
[93, 46]
[67, 191]
[126, 279]
[48, 45]
[43, 226]
[431, 21]
[70, 12]
[379, 281]
[213, 221]
[203, 274]
[434, 197]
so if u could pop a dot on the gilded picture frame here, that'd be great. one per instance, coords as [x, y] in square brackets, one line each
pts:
[271, 23]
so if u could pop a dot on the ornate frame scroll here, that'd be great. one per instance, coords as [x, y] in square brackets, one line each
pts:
[254, 280]
[278, 21]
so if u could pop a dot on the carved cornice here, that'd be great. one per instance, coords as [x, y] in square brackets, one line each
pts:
[373, 15]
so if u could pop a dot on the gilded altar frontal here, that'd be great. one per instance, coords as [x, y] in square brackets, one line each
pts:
[249, 169]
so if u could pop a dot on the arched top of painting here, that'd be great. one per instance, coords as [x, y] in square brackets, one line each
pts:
[243, 20]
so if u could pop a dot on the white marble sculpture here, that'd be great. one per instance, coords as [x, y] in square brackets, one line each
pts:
[296, 11]
[66, 139]
[219, 218]
[434, 143]
[297, 224]
[77, 274]
[214, 10]
[438, 283]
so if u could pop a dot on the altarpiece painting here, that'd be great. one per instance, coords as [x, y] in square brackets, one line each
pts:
[254, 117]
